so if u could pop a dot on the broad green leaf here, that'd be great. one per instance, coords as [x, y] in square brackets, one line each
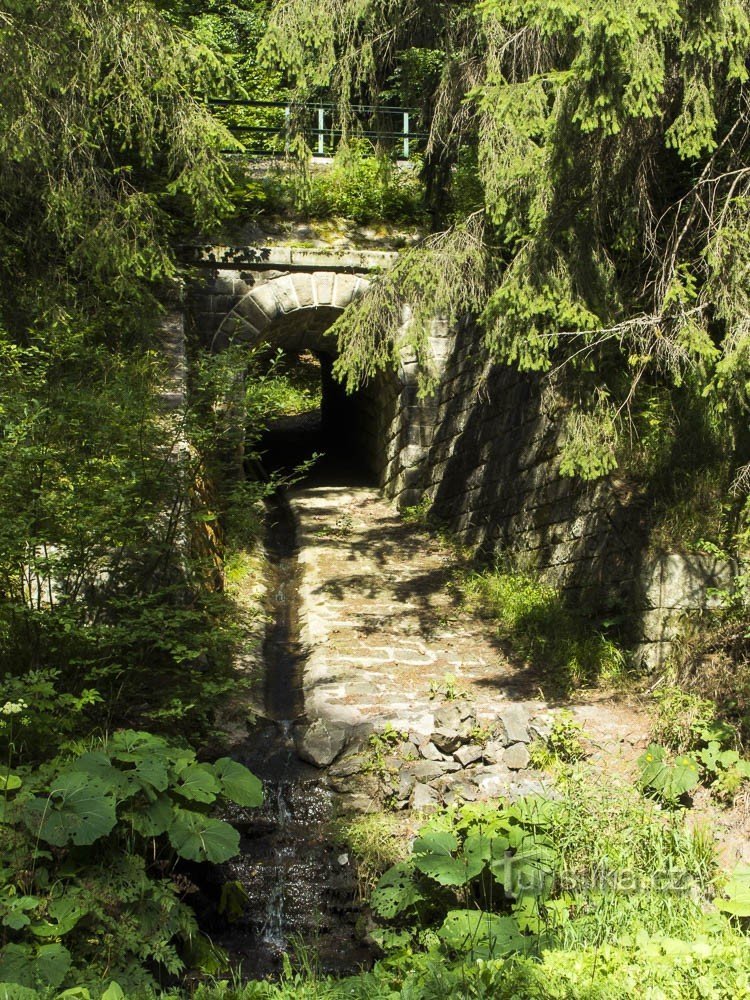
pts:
[441, 842]
[396, 891]
[14, 991]
[391, 940]
[79, 809]
[238, 784]
[113, 992]
[198, 783]
[152, 772]
[98, 765]
[17, 909]
[670, 779]
[9, 782]
[45, 966]
[199, 838]
[447, 870]
[736, 898]
[153, 818]
[62, 916]
[481, 935]
[131, 746]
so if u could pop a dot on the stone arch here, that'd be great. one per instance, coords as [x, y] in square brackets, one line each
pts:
[300, 307]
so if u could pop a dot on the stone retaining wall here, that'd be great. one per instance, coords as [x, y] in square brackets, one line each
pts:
[485, 450]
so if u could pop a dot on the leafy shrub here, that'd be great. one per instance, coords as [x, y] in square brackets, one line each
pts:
[563, 745]
[140, 803]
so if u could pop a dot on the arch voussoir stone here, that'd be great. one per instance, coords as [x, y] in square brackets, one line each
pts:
[323, 281]
[285, 295]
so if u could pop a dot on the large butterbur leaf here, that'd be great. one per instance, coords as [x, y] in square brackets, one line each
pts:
[62, 916]
[736, 895]
[79, 810]
[200, 838]
[396, 891]
[238, 784]
[670, 779]
[198, 783]
[152, 819]
[98, 765]
[448, 870]
[433, 856]
[480, 934]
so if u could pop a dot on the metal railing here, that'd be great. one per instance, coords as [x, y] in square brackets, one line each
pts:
[266, 128]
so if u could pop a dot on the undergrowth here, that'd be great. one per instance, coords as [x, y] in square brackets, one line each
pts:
[359, 185]
[542, 628]
[596, 894]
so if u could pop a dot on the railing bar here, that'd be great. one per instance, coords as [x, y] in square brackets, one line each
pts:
[240, 102]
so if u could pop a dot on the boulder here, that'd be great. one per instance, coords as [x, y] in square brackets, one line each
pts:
[513, 725]
[428, 751]
[540, 727]
[460, 791]
[425, 770]
[468, 754]
[516, 757]
[493, 782]
[447, 740]
[424, 797]
[493, 752]
[320, 743]
[456, 715]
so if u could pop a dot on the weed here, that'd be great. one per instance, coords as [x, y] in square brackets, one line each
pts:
[680, 716]
[377, 841]
[447, 689]
[564, 745]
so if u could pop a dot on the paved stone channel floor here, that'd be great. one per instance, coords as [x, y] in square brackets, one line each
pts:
[388, 640]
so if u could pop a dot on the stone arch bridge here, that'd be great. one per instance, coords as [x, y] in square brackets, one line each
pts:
[289, 298]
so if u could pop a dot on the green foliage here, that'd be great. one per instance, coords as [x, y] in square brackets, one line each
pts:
[496, 858]
[589, 138]
[668, 778]
[541, 627]
[132, 798]
[378, 841]
[735, 897]
[361, 185]
[563, 745]
[365, 187]
[686, 721]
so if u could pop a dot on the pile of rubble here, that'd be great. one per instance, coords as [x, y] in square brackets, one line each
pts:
[459, 760]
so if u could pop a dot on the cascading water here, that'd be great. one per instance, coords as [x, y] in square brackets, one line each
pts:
[287, 886]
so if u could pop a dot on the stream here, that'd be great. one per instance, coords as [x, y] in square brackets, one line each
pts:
[291, 888]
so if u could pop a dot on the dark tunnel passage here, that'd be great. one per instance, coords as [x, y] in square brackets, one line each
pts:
[338, 428]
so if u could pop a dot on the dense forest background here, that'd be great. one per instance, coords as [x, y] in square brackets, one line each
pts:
[585, 182]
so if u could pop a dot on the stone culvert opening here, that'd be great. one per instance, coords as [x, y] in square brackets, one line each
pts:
[292, 315]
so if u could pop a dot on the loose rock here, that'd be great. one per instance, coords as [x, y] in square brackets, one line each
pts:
[513, 725]
[447, 740]
[320, 743]
[430, 752]
[516, 757]
[456, 715]
[468, 754]
[424, 797]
